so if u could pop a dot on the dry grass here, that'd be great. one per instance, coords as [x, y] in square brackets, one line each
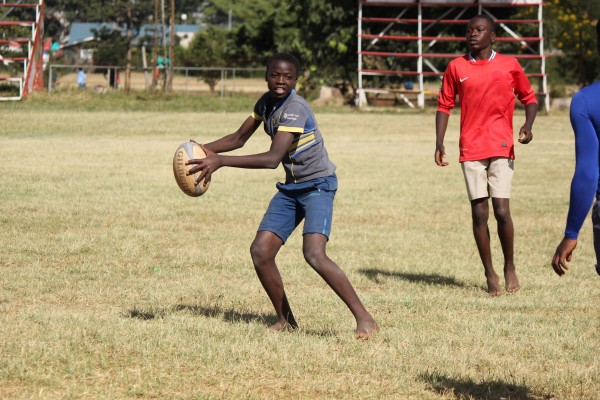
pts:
[181, 83]
[116, 285]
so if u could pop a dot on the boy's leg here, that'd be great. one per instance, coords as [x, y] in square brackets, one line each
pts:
[314, 253]
[264, 248]
[500, 175]
[480, 213]
[476, 180]
[506, 234]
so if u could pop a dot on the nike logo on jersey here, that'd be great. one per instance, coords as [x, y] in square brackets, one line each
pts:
[463, 79]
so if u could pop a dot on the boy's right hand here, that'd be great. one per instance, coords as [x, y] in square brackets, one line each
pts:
[440, 154]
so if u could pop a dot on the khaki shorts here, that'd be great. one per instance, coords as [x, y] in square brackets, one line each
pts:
[491, 177]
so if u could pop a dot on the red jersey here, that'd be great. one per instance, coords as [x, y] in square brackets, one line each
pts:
[486, 89]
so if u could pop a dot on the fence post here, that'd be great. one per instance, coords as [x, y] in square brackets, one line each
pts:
[186, 79]
[50, 79]
[222, 83]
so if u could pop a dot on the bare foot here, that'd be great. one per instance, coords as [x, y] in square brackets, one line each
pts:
[282, 326]
[494, 288]
[511, 282]
[366, 329]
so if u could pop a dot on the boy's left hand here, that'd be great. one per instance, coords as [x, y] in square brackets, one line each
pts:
[206, 166]
[525, 135]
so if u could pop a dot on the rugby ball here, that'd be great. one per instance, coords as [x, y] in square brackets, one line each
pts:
[185, 152]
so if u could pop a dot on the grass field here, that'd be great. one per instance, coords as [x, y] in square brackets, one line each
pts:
[114, 284]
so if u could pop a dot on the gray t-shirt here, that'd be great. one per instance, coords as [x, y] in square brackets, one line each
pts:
[307, 157]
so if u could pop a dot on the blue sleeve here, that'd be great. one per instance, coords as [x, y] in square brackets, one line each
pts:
[585, 178]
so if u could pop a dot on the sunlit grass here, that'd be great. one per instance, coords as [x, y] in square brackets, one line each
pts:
[114, 284]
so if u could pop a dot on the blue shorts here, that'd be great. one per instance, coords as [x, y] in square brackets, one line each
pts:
[311, 201]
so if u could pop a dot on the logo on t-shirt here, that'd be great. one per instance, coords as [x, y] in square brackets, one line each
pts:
[463, 79]
[291, 117]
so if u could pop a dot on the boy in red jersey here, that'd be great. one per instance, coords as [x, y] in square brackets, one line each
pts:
[486, 83]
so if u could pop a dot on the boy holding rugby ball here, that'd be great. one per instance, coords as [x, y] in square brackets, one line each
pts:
[307, 193]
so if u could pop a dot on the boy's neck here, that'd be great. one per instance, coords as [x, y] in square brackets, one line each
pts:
[484, 54]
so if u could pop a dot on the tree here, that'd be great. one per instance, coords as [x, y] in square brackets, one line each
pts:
[570, 28]
[209, 49]
[321, 33]
[125, 14]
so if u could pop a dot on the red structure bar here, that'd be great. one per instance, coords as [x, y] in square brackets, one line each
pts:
[447, 21]
[17, 23]
[440, 55]
[19, 40]
[390, 72]
[18, 5]
[445, 38]
[428, 73]
[425, 3]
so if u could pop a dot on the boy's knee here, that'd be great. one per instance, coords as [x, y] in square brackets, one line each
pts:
[480, 215]
[258, 252]
[313, 257]
[502, 213]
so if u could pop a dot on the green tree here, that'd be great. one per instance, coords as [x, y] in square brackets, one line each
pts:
[321, 33]
[126, 14]
[570, 28]
[209, 48]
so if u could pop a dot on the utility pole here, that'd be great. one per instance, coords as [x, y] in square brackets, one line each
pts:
[164, 42]
[155, 48]
[171, 48]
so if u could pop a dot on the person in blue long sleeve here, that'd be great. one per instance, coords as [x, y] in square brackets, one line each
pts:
[585, 120]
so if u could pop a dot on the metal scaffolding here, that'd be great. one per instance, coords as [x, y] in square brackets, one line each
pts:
[398, 39]
[30, 77]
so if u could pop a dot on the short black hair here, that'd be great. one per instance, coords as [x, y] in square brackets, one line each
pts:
[488, 19]
[285, 57]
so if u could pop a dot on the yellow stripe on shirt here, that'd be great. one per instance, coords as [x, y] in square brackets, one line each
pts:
[292, 129]
[301, 143]
[256, 116]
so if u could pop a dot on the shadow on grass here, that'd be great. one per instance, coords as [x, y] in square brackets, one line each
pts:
[431, 279]
[488, 390]
[228, 315]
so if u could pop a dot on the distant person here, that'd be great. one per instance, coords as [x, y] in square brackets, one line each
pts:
[81, 78]
[307, 193]
[585, 120]
[112, 75]
[486, 83]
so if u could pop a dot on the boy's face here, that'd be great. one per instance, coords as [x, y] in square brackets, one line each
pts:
[480, 35]
[281, 78]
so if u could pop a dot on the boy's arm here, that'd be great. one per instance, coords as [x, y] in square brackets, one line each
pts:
[526, 96]
[235, 140]
[583, 184]
[441, 124]
[446, 102]
[525, 133]
[270, 159]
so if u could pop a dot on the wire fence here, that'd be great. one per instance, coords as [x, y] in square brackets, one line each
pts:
[214, 80]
